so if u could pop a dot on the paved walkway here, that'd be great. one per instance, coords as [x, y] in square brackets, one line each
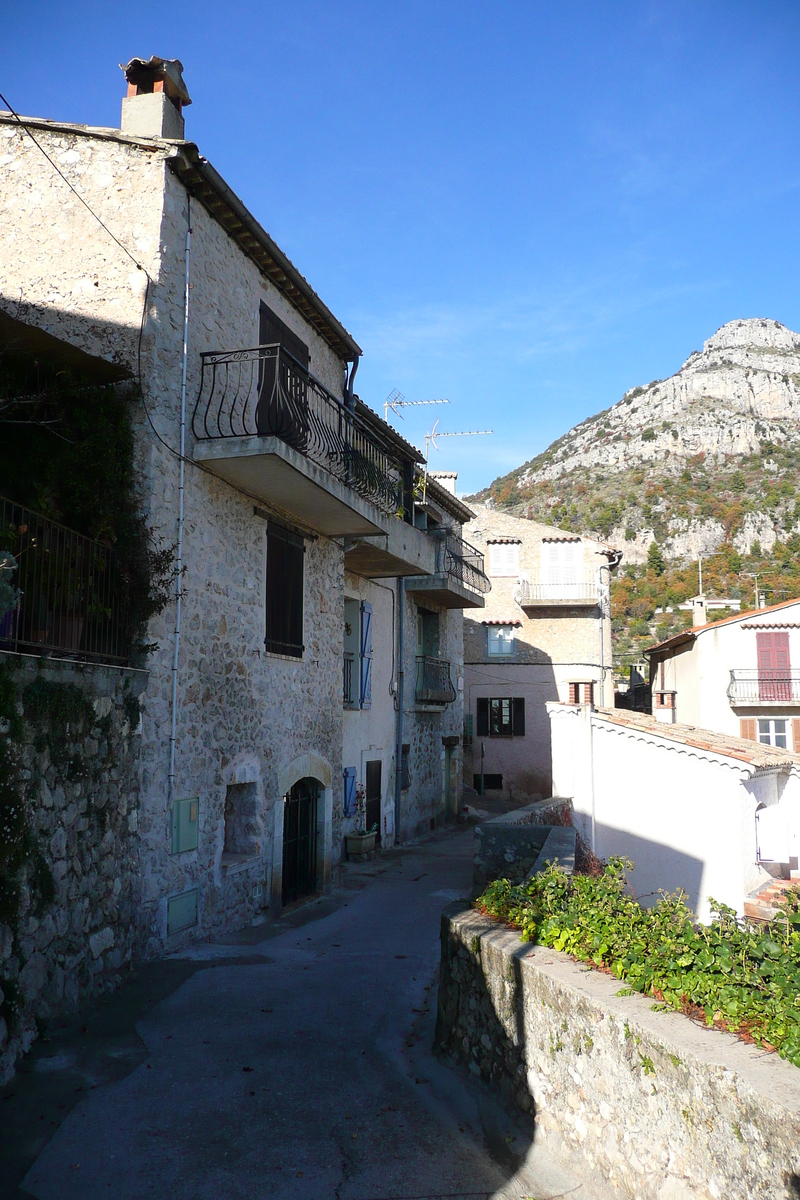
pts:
[298, 1068]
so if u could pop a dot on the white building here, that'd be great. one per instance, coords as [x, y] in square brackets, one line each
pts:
[713, 815]
[734, 676]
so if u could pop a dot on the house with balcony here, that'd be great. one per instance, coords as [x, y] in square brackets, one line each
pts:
[734, 676]
[543, 635]
[311, 646]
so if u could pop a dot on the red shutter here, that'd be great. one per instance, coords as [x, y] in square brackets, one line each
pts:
[747, 728]
[773, 666]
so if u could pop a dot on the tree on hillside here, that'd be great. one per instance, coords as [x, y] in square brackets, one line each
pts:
[655, 559]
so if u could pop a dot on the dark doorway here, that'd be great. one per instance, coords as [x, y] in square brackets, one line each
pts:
[300, 841]
[373, 797]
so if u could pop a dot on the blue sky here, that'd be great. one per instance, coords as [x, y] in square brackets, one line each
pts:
[525, 207]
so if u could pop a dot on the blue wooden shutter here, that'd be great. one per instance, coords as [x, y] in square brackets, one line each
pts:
[366, 654]
[349, 803]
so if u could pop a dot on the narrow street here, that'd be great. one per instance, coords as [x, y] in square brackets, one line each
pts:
[300, 1066]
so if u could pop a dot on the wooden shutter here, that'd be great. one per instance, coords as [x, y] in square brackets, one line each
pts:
[518, 728]
[747, 728]
[284, 592]
[774, 665]
[405, 768]
[574, 693]
[272, 330]
[365, 695]
[796, 735]
[483, 717]
[349, 802]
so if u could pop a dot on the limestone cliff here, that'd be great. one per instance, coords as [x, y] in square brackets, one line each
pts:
[708, 454]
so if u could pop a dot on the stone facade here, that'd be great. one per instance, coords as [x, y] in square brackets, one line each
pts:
[636, 1102]
[80, 923]
[554, 645]
[249, 724]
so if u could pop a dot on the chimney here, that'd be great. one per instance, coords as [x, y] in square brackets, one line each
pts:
[447, 479]
[156, 97]
[699, 614]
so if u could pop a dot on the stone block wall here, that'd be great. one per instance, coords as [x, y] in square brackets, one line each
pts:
[71, 921]
[637, 1102]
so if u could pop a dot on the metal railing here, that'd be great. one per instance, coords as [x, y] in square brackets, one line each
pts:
[266, 392]
[69, 597]
[434, 685]
[752, 686]
[537, 591]
[462, 562]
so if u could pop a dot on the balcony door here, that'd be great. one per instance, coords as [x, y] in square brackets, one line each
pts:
[562, 570]
[774, 667]
[282, 410]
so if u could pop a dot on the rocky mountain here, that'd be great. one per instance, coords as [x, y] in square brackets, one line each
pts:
[706, 458]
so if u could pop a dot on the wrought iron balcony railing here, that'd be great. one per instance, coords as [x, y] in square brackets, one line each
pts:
[579, 591]
[462, 562]
[751, 686]
[265, 391]
[434, 685]
[64, 593]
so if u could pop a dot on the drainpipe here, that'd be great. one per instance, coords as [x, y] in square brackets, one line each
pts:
[179, 553]
[398, 772]
[349, 398]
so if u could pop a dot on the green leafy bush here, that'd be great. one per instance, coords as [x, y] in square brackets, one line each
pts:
[737, 976]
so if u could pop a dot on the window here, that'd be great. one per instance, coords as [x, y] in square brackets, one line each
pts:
[501, 717]
[284, 592]
[282, 409]
[357, 658]
[241, 820]
[349, 792]
[581, 693]
[500, 641]
[427, 633]
[504, 558]
[772, 732]
[491, 783]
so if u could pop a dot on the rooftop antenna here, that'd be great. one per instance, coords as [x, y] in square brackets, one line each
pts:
[396, 400]
[430, 440]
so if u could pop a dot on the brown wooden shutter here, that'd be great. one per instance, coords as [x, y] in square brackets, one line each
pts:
[747, 728]
[483, 717]
[796, 735]
[588, 693]
[574, 693]
[518, 728]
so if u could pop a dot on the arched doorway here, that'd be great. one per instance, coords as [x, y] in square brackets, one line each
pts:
[299, 875]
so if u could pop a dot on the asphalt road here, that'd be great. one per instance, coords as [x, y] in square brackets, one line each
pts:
[292, 1062]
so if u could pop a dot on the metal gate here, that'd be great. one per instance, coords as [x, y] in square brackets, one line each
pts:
[300, 841]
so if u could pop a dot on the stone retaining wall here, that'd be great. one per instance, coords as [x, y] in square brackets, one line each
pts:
[640, 1103]
[71, 915]
[506, 847]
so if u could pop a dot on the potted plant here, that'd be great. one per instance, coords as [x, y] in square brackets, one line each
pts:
[361, 841]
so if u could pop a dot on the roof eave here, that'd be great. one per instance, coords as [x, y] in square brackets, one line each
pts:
[208, 186]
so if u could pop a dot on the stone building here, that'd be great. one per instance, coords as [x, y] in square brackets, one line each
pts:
[280, 674]
[544, 635]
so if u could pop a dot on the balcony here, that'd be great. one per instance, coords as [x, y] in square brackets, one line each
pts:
[458, 580]
[269, 428]
[68, 597]
[567, 593]
[754, 687]
[434, 687]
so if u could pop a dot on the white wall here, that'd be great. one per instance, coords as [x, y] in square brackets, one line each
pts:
[685, 816]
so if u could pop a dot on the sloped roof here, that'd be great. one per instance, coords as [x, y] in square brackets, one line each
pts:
[758, 756]
[689, 635]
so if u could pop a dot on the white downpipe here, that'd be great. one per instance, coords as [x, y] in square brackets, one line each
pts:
[179, 553]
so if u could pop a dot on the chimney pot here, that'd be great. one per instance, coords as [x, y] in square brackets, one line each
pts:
[156, 97]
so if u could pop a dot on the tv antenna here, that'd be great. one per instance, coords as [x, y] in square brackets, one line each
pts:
[396, 400]
[430, 440]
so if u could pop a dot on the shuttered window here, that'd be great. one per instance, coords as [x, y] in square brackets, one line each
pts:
[349, 797]
[796, 735]
[405, 768]
[747, 728]
[366, 654]
[501, 717]
[774, 666]
[503, 559]
[284, 592]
